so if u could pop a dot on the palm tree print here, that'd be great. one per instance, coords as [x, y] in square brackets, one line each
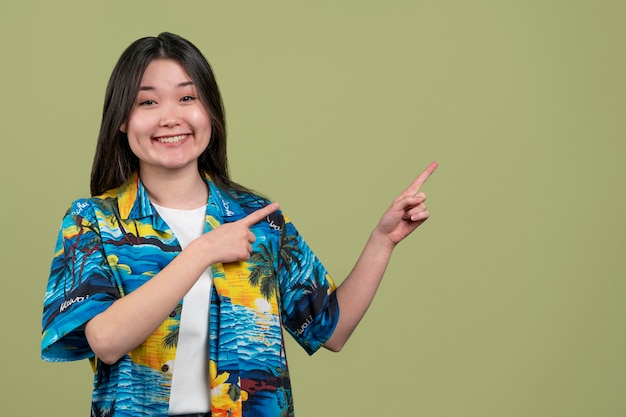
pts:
[263, 274]
[289, 251]
[171, 338]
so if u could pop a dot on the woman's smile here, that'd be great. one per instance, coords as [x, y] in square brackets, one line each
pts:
[171, 139]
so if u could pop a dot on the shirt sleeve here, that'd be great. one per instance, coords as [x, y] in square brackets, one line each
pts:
[80, 286]
[308, 301]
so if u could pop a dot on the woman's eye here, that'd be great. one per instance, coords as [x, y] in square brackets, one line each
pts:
[188, 98]
[146, 102]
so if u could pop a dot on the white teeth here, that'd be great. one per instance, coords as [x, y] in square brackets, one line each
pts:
[172, 139]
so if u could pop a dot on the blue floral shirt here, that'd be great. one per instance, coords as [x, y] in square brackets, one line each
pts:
[110, 245]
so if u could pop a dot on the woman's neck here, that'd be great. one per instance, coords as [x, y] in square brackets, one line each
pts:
[184, 189]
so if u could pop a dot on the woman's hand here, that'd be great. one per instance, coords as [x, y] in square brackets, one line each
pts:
[407, 211]
[232, 242]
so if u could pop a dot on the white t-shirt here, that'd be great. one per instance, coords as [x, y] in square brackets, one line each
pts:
[190, 392]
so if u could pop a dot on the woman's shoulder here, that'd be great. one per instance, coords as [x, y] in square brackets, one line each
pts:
[251, 200]
[246, 198]
[89, 207]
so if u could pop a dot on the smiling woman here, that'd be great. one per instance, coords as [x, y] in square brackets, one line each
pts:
[174, 281]
[114, 160]
[168, 129]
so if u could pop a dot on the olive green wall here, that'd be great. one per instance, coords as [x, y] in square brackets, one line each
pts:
[509, 301]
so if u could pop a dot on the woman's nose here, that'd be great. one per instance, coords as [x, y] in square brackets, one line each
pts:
[169, 117]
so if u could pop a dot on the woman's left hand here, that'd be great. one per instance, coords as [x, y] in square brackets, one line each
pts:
[407, 211]
[357, 291]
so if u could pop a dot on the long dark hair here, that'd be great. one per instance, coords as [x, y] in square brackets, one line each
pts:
[114, 161]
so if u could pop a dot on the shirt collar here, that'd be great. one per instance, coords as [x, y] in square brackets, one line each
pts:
[133, 201]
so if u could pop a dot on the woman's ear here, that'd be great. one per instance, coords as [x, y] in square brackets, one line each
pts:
[123, 127]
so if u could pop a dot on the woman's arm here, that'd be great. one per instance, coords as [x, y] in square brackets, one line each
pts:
[356, 292]
[131, 319]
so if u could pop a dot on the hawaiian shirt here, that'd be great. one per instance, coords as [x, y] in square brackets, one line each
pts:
[110, 245]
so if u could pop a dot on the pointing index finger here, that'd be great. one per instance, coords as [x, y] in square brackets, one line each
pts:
[256, 216]
[421, 179]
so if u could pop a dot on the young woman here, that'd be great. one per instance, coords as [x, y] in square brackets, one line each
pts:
[174, 281]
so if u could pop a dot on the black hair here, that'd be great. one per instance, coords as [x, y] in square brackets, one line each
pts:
[114, 162]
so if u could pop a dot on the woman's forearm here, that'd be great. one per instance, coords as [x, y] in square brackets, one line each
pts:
[356, 292]
[131, 319]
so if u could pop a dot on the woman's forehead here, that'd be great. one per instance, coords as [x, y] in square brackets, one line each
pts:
[165, 72]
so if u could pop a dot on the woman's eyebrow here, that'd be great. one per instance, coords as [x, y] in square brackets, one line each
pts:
[148, 87]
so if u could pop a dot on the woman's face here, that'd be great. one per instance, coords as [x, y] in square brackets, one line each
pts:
[168, 127]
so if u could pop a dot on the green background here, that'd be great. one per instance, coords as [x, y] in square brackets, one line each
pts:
[509, 301]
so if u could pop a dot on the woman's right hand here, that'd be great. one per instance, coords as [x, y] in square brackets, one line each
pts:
[232, 242]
